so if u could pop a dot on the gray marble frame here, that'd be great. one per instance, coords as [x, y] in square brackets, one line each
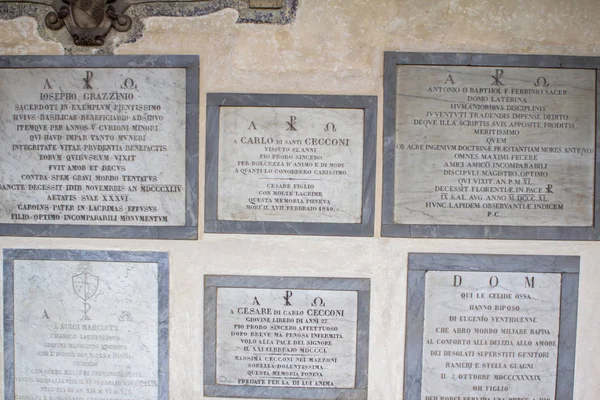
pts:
[420, 263]
[191, 65]
[390, 228]
[160, 258]
[214, 225]
[212, 389]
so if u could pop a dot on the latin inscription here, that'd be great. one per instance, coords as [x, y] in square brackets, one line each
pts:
[286, 338]
[85, 330]
[490, 336]
[102, 146]
[494, 146]
[290, 164]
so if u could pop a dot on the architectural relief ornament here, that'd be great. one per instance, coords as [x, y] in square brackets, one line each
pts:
[90, 21]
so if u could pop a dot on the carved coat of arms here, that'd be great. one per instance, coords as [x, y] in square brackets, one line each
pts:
[85, 285]
[89, 20]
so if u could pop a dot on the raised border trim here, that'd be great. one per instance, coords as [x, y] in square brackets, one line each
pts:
[160, 258]
[420, 263]
[212, 282]
[190, 229]
[215, 100]
[391, 229]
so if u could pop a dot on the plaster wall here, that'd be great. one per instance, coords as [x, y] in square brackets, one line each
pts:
[336, 47]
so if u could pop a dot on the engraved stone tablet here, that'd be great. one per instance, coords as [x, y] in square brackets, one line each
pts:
[285, 173]
[503, 141]
[280, 167]
[493, 146]
[299, 337]
[488, 333]
[491, 334]
[85, 324]
[89, 145]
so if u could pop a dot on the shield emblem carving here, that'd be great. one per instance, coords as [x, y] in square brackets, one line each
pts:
[85, 285]
[88, 14]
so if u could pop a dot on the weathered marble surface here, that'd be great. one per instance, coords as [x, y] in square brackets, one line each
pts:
[87, 139]
[290, 164]
[336, 46]
[94, 148]
[491, 326]
[490, 334]
[100, 324]
[285, 337]
[494, 146]
[275, 337]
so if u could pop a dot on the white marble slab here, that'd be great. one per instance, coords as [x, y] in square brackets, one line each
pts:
[490, 335]
[494, 146]
[286, 338]
[98, 146]
[85, 329]
[290, 164]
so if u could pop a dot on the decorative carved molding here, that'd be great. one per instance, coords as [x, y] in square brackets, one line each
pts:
[90, 21]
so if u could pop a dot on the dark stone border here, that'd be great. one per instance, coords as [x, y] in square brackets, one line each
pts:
[420, 263]
[212, 389]
[190, 230]
[162, 261]
[389, 228]
[215, 100]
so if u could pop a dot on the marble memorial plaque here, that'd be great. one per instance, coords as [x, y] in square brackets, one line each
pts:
[495, 152]
[491, 334]
[289, 166]
[303, 342]
[85, 324]
[283, 172]
[87, 145]
[493, 146]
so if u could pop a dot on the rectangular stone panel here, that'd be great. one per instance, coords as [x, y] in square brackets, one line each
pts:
[303, 164]
[490, 334]
[517, 151]
[84, 323]
[509, 147]
[298, 337]
[84, 146]
[282, 172]
[491, 327]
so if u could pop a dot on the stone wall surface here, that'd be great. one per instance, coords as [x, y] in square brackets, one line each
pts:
[336, 47]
